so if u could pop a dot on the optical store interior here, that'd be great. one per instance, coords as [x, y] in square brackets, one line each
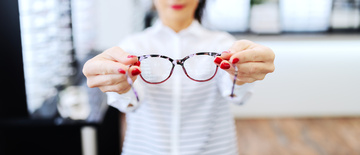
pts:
[310, 104]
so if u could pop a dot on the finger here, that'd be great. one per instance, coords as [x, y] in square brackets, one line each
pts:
[249, 55]
[258, 76]
[218, 60]
[111, 79]
[256, 54]
[225, 65]
[241, 45]
[100, 66]
[123, 86]
[245, 80]
[119, 88]
[105, 80]
[118, 54]
[252, 68]
[237, 46]
[225, 55]
[134, 71]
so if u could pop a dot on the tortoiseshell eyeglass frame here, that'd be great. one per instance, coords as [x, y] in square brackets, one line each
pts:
[181, 63]
[178, 62]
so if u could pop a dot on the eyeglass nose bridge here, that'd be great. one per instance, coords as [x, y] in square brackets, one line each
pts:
[178, 62]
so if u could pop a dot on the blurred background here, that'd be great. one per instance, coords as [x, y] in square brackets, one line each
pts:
[309, 105]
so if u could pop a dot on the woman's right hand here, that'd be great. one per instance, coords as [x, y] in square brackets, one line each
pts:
[107, 70]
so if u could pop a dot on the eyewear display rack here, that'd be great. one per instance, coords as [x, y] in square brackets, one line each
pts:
[21, 133]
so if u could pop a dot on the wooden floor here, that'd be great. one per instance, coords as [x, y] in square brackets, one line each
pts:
[320, 136]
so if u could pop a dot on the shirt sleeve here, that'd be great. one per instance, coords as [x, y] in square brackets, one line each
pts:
[127, 102]
[242, 92]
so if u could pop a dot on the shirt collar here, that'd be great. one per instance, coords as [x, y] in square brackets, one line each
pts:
[195, 28]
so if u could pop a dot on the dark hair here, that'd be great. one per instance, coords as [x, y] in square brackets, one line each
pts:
[199, 10]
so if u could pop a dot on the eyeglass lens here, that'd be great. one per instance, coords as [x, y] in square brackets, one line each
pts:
[155, 69]
[200, 67]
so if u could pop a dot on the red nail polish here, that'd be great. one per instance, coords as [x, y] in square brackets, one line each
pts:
[135, 72]
[225, 65]
[137, 63]
[235, 60]
[218, 60]
[121, 71]
[131, 56]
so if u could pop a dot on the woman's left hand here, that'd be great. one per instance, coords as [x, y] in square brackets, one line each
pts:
[253, 61]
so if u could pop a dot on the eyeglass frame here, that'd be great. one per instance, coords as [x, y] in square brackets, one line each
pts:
[181, 63]
[178, 62]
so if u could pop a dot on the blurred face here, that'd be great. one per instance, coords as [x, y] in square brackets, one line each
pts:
[179, 10]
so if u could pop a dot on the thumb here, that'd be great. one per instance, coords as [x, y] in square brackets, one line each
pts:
[238, 46]
[119, 55]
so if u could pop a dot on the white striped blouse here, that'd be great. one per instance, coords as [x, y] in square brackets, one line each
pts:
[180, 116]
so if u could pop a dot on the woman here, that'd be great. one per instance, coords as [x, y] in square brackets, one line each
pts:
[179, 116]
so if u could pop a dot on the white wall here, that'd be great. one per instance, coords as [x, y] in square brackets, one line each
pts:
[312, 78]
[114, 22]
[316, 77]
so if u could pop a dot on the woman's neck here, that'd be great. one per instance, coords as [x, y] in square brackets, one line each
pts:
[178, 25]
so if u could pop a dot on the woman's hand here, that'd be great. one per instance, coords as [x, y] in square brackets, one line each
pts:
[253, 61]
[107, 70]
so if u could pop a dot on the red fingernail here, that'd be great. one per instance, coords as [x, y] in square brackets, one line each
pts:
[135, 72]
[235, 60]
[121, 71]
[137, 63]
[218, 60]
[225, 65]
[131, 56]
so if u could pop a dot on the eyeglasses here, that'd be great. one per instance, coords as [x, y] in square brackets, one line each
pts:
[199, 67]
[156, 69]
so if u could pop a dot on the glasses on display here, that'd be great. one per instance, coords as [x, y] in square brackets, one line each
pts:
[199, 67]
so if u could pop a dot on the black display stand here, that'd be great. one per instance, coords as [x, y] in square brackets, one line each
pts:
[13, 97]
[44, 137]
